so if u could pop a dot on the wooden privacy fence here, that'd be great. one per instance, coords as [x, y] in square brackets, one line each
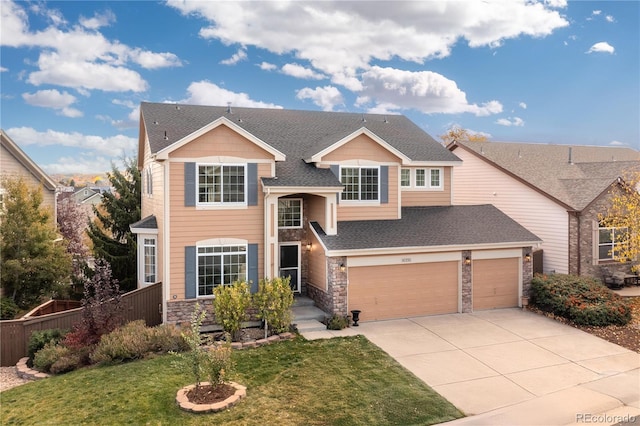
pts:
[142, 304]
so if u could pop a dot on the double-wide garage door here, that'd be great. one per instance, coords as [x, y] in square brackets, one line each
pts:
[402, 291]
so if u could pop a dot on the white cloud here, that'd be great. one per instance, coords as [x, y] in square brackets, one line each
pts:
[556, 3]
[55, 100]
[240, 55]
[603, 47]
[342, 39]
[617, 143]
[522, 105]
[79, 56]
[115, 146]
[99, 20]
[207, 93]
[596, 12]
[326, 97]
[609, 18]
[511, 121]
[266, 66]
[298, 71]
[84, 164]
[3, 69]
[425, 91]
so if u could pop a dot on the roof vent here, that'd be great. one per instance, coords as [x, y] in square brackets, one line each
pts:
[177, 107]
[519, 154]
[570, 155]
[155, 122]
[364, 120]
[166, 138]
[385, 119]
[229, 108]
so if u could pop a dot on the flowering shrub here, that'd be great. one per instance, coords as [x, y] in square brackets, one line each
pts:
[582, 300]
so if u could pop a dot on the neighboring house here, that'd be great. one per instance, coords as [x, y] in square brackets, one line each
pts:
[86, 198]
[15, 163]
[355, 208]
[555, 191]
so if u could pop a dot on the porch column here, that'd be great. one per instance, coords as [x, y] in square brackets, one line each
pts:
[271, 252]
[331, 214]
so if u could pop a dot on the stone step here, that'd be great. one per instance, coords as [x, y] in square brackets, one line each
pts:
[302, 301]
[306, 326]
[301, 313]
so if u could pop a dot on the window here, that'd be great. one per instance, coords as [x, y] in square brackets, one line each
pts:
[420, 178]
[607, 240]
[148, 181]
[218, 184]
[435, 178]
[405, 177]
[360, 183]
[220, 265]
[290, 213]
[149, 247]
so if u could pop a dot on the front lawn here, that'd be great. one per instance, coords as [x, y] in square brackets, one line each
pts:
[341, 381]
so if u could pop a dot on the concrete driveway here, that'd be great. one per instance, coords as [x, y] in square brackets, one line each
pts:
[513, 367]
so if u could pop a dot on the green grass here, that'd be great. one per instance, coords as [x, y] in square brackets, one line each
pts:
[341, 381]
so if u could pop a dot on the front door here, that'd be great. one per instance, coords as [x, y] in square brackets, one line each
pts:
[290, 264]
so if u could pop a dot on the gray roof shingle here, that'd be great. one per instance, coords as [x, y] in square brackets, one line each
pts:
[297, 134]
[148, 222]
[429, 227]
[575, 183]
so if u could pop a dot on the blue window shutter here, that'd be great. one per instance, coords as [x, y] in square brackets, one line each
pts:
[190, 272]
[253, 267]
[252, 184]
[335, 168]
[189, 184]
[384, 184]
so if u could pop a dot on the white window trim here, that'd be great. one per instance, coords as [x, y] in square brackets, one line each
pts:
[427, 180]
[141, 259]
[155, 260]
[198, 255]
[301, 213]
[360, 202]
[221, 204]
[410, 180]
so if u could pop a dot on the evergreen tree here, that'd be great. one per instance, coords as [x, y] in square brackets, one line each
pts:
[112, 238]
[33, 262]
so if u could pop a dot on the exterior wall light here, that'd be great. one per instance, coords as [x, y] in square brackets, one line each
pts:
[342, 267]
[309, 246]
[527, 257]
[467, 260]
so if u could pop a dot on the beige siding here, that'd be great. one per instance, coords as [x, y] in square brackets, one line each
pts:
[361, 147]
[495, 283]
[477, 182]
[402, 291]
[221, 141]
[189, 225]
[315, 209]
[354, 211]
[422, 197]
[11, 167]
[317, 264]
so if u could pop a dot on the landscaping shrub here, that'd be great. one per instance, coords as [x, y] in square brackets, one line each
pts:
[48, 355]
[40, 338]
[8, 308]
[273, 302]
[582, 300]
[337, 322]
[134, 341]
[230, 306]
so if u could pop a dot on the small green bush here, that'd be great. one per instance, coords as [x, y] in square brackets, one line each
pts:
[40, 338]
[230, 306]
[135, 341]
[49, 355]
[582, 300]
[74, 360]
[273, 302]
[337, 322]
[8, 308]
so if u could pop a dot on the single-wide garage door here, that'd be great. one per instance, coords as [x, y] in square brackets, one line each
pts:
[495, 283]
[402, 291]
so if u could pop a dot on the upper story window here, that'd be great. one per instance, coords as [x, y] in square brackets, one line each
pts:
[405, 178]
[608, 239]
[221, 184]
[290, 213]
[220, 265]
[148, 180]
[360, 183]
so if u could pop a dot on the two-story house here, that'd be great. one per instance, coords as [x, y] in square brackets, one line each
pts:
[356, 208]
[556, 191]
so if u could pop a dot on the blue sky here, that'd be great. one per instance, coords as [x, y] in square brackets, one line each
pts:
[74, 73]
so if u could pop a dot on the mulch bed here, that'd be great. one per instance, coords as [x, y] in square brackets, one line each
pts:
[627, 336]
[208, 394]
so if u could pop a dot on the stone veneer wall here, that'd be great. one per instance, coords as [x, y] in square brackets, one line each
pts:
[334, 300]
[179, 312]
[527, 271]
[467, 291]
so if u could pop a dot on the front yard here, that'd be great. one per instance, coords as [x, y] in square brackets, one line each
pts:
[341, 381]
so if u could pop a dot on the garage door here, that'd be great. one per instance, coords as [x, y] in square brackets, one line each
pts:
[495, 283]
[402, 291]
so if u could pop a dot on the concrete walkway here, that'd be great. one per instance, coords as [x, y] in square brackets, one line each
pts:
[513, 367]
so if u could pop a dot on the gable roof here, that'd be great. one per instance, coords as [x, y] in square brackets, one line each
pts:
[26, 162]
[572, 175]
[297, 134]
[445, 226]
